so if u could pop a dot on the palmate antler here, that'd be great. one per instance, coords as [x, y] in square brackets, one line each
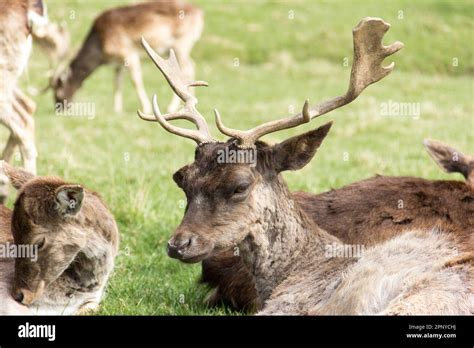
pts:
[180, 84]
[369, 53]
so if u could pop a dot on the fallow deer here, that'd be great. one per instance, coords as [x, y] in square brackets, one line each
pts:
[368, 212]
[115, 39]
[250, 206]
[76, 240]
[16, 108]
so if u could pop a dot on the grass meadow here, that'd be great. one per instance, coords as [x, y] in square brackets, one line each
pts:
[262, 59]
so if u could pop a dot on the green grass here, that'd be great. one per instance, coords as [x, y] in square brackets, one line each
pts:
[282, 62]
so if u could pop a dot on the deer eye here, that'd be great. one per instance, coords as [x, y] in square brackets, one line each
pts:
[41, 243]
[241, 188]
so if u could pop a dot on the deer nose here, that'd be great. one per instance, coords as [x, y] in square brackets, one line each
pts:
[18, 296]
[177, 246]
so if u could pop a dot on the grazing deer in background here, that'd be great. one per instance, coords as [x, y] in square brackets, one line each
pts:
[76, 239]
[115, 39]
[16, 109]
[366, 212]
[250, 206]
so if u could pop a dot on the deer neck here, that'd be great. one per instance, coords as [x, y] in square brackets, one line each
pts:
[282, 240]
[86, 61]
[92, 265]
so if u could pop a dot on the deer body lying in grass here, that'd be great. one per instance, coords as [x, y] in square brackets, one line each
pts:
[115, 39]
[76, 240]
[423, 271]
[366, 213]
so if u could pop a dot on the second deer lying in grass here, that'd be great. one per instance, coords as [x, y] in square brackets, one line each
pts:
[248, 205]
[75, 239]
[367, 213]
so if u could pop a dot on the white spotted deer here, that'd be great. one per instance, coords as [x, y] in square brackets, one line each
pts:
[73, 240]
[114, 39]
[422, 271]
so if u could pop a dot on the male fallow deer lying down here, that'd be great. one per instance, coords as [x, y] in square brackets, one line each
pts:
[76, 240]
[115, 39]
[363, 213]
[250, 206]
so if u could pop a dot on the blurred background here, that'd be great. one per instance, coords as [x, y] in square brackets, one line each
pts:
[262, 59]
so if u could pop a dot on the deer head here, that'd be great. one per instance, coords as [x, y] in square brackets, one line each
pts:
[227, 201]
[45, 219]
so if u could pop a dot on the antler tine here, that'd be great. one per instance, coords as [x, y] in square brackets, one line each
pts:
[180, 85]
[196, 135]
[248, 138]
[369, 53]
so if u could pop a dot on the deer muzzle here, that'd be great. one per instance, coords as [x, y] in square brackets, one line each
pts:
[26, 296]
[189, 247]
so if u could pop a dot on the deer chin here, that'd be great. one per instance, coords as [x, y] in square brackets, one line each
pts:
[195, 258]
[194, 254]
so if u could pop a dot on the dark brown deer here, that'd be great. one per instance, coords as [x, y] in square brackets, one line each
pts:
[249, 206]
[368, 212]
[115, 39]
[73, 240]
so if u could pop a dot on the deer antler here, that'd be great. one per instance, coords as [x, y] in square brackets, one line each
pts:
[369, 52]
[180, 84]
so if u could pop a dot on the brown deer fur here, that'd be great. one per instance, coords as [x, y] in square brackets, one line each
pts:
[247, 207]
[77, 240]
[115, 38]
[368, 212]
[365, 212]
[283, 248]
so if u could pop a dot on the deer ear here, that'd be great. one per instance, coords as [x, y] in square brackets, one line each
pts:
[16, 176]
[296, 152]
[69, 199]
[449, 159]
[178, 177]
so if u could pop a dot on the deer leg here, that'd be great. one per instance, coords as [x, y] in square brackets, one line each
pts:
[6, 156]
[28, 152]
[25, 138]
[136, 75]
[118, 85]
[22, 128]
[9, 148]
[26, 102]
